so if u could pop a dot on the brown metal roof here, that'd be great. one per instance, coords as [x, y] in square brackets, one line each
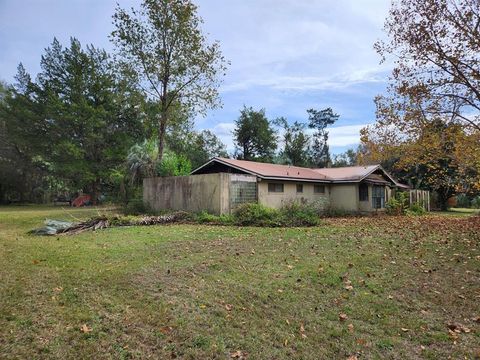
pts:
[285, 172]
[350, 173]
[272, 171]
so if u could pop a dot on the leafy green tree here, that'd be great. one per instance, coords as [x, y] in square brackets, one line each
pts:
[296, 143]
[22, 140]
[319, 120]
[348, 158]
[162, 44]
[174, 165]
[90, 115]
[254, 136]
[196, 146]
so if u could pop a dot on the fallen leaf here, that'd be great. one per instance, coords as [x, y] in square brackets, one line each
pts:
[352, 357]
[350, 328]
[228, 307]
[238, 355]
[342, 317]
[85, 329]
[166, 329]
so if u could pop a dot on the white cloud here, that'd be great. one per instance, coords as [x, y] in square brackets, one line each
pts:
[300, 45]
[345, 135]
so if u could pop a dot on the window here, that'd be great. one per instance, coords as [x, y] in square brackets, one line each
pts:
[363, 192]
[378, 197]
[299, 188]
[275, 187]
[319, 189]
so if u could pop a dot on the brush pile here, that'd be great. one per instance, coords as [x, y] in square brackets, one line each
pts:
[103, 222]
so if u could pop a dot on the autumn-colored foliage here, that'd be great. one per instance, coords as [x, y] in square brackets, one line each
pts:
[428, 125]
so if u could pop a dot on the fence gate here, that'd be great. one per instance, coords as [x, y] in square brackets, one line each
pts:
[421, 197]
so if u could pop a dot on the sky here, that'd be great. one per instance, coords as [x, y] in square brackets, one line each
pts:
[286, 56]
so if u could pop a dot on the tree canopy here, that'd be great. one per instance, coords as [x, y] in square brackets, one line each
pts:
[162, 46]
[254, 136]
[319, 120]
[88, 114]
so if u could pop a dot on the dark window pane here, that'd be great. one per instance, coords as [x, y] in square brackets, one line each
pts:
[319, 189]
[363, 192]
[299, 188]
[275, 187]
[378, 197]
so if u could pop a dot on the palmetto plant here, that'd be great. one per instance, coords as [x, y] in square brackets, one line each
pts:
[142, 160]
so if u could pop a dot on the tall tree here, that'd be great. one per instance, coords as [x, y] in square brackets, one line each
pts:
[162, 44]
[90, 116]
[427, 125]
[319, 120]
[436, 47]
[433, 159]
[254, 136]
[22, 141]
[296, 143]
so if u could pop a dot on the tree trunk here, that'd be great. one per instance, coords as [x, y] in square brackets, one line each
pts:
[443, 196]
[2, 194]
[95, 191]
[162, 126]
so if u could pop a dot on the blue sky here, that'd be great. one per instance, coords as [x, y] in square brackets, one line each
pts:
[286, 55]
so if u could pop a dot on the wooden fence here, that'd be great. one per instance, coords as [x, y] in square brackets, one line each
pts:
[421, 197]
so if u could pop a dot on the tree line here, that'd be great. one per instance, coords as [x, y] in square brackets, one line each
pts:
[97, 122]
[100, 122]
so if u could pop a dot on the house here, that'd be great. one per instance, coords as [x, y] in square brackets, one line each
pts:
[221, 184]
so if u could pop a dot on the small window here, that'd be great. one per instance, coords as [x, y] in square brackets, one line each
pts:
[363, 192]
[275, 187]
[319, 189]
[299, 188]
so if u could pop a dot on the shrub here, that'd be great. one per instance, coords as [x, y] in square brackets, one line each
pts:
[291, 214]
[397, 205]
[135, 206]
[295, 214]
[256, 215]
[415, 209]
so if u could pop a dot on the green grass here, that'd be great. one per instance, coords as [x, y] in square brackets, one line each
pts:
[201, 292]
[459, 212]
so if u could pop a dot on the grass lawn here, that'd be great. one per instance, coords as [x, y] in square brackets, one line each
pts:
[374, 288]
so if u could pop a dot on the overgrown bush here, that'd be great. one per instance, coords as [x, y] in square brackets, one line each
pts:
[136, 206]
[398, 204]
[253, 214]
[292, 214]
[300, 214]
[416, 209]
